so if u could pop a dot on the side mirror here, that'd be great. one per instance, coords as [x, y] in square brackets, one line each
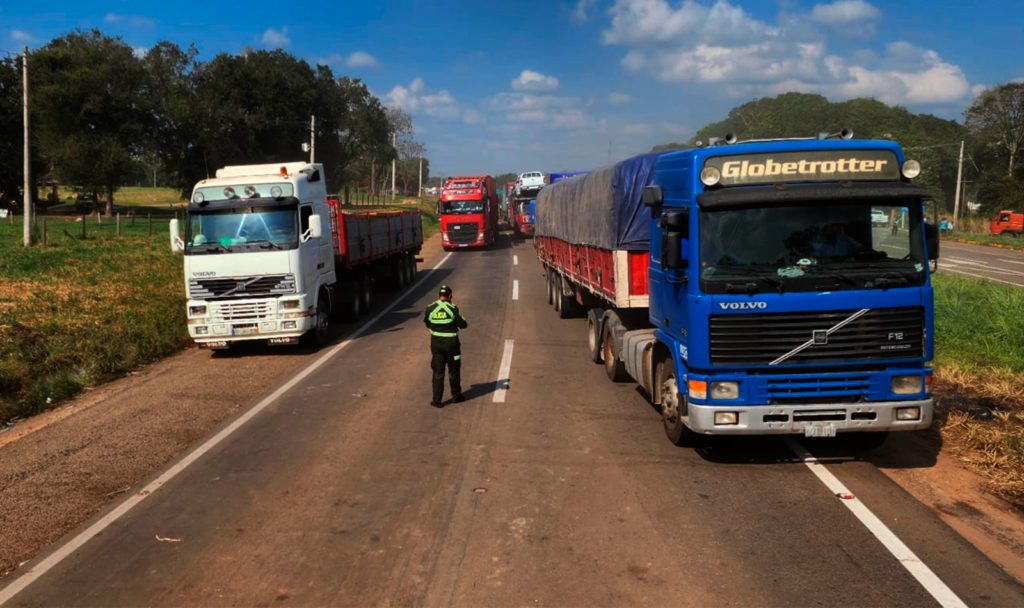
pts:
[316, 229]
[673, 251]
[931, 239]
[652, 196]
[177, 245]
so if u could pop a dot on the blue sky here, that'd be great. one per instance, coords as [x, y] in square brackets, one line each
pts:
[556, 85]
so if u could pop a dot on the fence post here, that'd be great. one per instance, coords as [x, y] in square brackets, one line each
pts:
[118, 220]
[85, 220]
[44, 232]
[149, 228]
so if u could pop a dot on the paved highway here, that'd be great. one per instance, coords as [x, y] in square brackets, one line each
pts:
[1000, 265]
[344, 487]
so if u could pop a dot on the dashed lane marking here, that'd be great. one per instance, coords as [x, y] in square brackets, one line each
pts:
[515, 289]
[515, 260]
[503, 373]
[28, 577]
[917, 568]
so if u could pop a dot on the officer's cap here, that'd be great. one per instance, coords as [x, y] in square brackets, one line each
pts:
[445, 291]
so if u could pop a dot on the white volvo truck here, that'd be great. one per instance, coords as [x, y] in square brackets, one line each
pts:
[269, 257]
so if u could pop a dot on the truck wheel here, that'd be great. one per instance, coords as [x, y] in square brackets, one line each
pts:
[613, 366]
[365, 294]
[594, 335]
[566, 304]
[321, 332]
[864, 442]
[550, 290]
[673, 404]
[411, 262]
[350, 310]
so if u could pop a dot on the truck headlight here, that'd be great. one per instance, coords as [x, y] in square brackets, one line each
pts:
[197, 311]
[725, 390]
[907, 385]
[202, 330]
[908, 413]
[290, 303]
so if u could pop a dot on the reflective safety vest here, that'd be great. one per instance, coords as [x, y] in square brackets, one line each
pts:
[442, 320]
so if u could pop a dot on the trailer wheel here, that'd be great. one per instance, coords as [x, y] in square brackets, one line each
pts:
[365, 294]
[550, 290]
[411, 262]
[673, 407]
[613, 366]
[566, 304]
[594, 335]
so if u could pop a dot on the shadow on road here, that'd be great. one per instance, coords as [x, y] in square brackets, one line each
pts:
[480, 389]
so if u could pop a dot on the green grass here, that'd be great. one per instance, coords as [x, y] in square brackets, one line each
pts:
[1005, 242]
[79, 312]
[979, 354]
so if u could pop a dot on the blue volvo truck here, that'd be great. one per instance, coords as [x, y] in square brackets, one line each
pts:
[746, 288]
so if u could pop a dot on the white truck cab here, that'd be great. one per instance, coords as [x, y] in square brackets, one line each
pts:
[258, 251]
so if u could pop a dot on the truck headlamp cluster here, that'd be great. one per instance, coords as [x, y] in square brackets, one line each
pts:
[198, 198]
[907, 385]
[710, 176]
[197, 311]
[911, 169]
[725, 390]
[290, 304]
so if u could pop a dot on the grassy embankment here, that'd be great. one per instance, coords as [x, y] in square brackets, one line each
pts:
[1002, 242]
[78, 312]
[980, 355]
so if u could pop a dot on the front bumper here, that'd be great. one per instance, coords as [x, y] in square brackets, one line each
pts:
[792, 419]
[247, 320]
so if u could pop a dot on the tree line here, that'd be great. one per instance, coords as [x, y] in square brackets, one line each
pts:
[100, 113]
[993, 132]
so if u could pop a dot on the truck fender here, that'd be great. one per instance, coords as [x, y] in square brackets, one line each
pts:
[667, 346]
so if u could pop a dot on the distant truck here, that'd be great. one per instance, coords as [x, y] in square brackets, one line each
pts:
[744, 288]
[519, 216]
[469, 212]
[554, 178]
[1007, 222]
[269, 257]
[530, 183]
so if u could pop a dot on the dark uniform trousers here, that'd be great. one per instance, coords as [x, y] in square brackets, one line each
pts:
[444, 321]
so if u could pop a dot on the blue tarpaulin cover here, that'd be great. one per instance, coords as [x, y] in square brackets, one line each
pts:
[602, 208]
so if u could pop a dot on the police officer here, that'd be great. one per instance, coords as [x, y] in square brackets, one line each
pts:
[444, 321]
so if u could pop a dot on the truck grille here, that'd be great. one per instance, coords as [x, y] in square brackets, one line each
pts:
[234, 287]
[818, 388]
[228, 312]
[760, 339]
[462, 233]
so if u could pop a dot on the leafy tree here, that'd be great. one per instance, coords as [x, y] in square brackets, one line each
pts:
[10, 130]
[91, 107]
[997, 116]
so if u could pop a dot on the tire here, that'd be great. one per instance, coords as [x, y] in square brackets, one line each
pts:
[413, 268]
[594, 343]
[365, 294]
[861, 443]
[673, 403]
[320, 335]
[566, 304]
[550, 289]
[556, 299]
[613, 366]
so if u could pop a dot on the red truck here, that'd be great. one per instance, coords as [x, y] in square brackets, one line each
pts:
[469, 212]
[1007, 222]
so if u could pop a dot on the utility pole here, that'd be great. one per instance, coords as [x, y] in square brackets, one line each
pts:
[312, 139]
[394, 160]
[419, 192]
[27, 199]
[959, 175]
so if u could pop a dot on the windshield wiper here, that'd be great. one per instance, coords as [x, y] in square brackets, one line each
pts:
[884, 281]
[748, 287]
[265, 244]
[767, 275]
[839, 276]
[211, 247]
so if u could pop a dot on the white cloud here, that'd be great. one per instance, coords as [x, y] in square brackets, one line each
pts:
[619, 99]
[528, 80]
[845, 11]
[21, 36]
[132, 20]
[417, 99]
[276, 38]
[472, 117]
[139, 51]
[518, 102]
[637, 128]
[361, 59]
[721, 44]
[580, 12]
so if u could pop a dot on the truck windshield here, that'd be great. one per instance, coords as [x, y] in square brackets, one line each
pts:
[241, 229]
[457, 207]
[524, 207]
[815, 247]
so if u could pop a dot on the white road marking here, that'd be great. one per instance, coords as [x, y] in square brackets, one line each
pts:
[28, 577]
[503, 373]
[922, 573]
[946, 268]
[515, 260]
[988, 267]
[515, 289]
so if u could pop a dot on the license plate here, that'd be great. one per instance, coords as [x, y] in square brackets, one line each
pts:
[245, 331]
[820, 429]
